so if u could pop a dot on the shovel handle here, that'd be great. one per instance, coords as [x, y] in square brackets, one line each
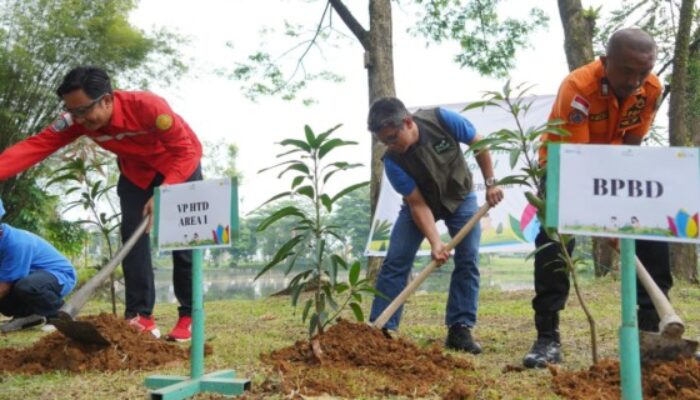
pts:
[671, 324]
[82, 295]
[413, 285]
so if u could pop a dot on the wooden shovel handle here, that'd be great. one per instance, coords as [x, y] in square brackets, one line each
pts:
[82, 295]
[413, 285]
[671, 324]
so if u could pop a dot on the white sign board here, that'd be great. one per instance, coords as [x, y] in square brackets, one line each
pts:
[632, 192]
[195, 215]
[510, 227]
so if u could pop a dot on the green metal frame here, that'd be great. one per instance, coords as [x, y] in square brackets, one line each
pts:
[221, 382]
[630, 363]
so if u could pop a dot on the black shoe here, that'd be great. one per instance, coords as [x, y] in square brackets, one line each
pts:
[648, 320]
[20, 323]
[544, 351]
[459, 338]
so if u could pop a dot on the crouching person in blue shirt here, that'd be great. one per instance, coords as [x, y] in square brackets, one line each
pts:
[34, 278]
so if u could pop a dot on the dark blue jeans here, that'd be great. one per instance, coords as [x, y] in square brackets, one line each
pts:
[37, 293]
[463, 299]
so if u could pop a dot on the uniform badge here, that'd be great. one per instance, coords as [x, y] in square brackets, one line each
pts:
[576, 117]
[599, 117]
[581, 104]
[164, 122]
[442, 147]
[62, 123]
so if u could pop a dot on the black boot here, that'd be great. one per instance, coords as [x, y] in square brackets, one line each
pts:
[648, 320]
[547, 347]
[459, 338]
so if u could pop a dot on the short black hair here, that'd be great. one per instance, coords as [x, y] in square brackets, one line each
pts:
[384, 112]
[94, 81]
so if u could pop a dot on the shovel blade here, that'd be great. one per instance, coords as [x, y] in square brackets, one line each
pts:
[655, 346]
[81, 331]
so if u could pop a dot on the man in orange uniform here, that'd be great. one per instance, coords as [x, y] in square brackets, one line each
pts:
[154, 146]
[612, 100]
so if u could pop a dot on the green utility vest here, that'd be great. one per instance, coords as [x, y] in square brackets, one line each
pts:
[437, 164]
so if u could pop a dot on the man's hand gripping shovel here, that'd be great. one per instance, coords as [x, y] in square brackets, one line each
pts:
[413, 285]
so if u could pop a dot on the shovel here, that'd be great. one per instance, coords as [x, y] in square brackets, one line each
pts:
[84, 331]
[669, 343]
[413, 285]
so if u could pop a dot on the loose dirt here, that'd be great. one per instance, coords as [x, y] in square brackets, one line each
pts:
[359, 360]
[128, 350]
[678, 379]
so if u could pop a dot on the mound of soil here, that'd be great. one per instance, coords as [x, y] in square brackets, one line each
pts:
[128, 350]
[678, 379]
[360, 360]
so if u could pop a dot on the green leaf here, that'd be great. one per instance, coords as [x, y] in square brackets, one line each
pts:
[307, 191]
[296, 291]
[354, 274]
[332, 144]
[478, 104]
[298, 143]
[313, 324]
[278, 165]
[348, 190]
[326, 201]
[279, 214]
[297, 166]
[514, 154]
[275, 197]
[310, 137]
[297, 181]
[284, 252]
[307, 307]
[327, 133]
[357, 310]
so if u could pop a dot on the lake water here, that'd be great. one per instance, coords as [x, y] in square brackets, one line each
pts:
[240, 283]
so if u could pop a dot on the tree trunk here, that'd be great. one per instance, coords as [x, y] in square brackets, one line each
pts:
[380, 76]
[578, 33]
[605, 260]
[379, 62]
[684, 262]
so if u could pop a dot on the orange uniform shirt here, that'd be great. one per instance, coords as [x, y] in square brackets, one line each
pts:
[592, 113]
[144, 132]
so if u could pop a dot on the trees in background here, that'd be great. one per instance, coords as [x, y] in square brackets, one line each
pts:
[41, 40]
[488, 43]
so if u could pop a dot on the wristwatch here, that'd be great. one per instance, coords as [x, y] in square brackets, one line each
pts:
[490, 182]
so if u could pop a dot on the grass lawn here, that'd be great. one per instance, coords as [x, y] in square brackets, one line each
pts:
[240, 330]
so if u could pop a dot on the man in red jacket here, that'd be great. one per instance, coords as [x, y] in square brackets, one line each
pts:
[154, 146]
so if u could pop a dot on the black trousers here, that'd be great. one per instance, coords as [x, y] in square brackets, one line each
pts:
[137, 265]
[37, 293]
[552, 278]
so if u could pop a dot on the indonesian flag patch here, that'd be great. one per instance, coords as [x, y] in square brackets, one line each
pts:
[62, 123]
[581, 104]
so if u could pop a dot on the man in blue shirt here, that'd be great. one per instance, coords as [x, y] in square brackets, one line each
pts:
[425, 164]
[34, 278]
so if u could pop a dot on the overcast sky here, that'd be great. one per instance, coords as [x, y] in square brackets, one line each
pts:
[216, 109]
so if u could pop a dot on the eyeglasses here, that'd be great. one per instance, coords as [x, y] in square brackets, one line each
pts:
[390, 139]
[82, 110]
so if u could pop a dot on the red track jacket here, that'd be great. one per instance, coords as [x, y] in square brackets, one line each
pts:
[144, 133]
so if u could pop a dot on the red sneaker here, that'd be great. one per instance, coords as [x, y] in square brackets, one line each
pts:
[182, 331]
[145, 324]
